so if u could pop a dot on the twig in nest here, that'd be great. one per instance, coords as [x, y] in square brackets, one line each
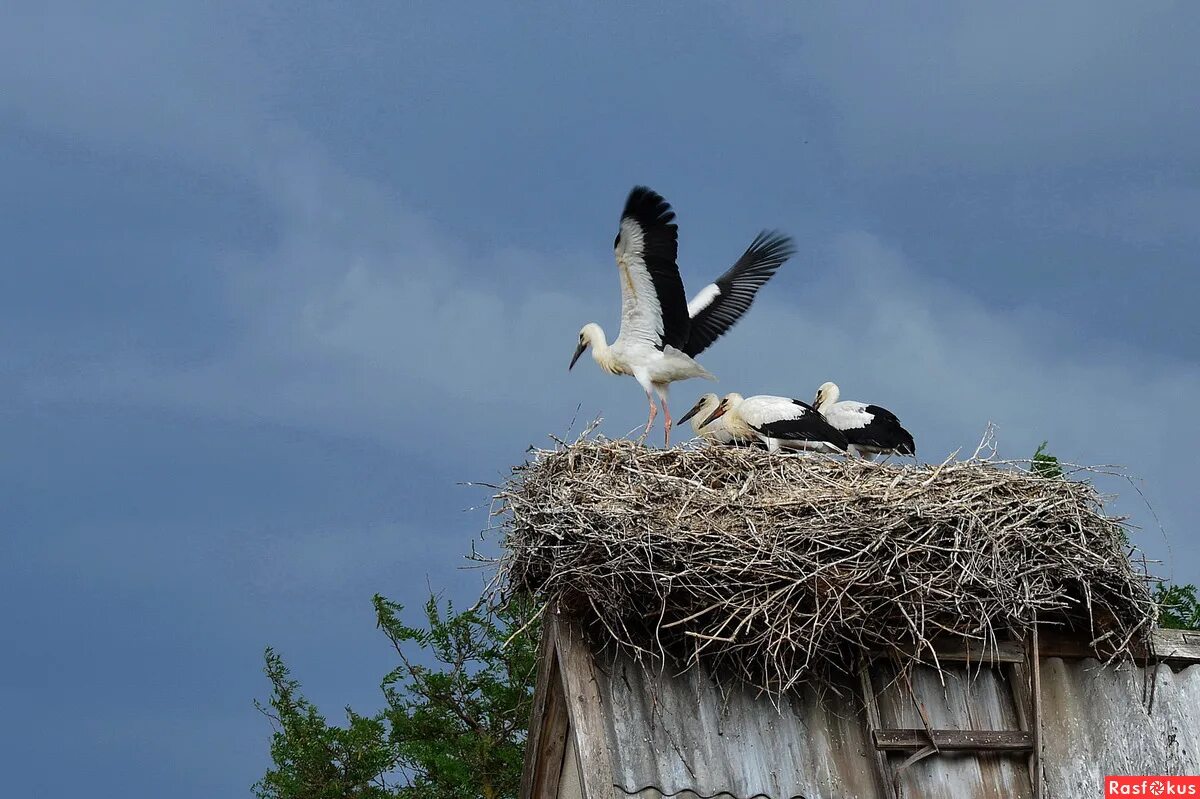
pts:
[770, 569]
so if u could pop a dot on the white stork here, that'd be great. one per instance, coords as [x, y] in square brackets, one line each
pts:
[661, 332]
[869, 429]
[779, 422]
[715, 433]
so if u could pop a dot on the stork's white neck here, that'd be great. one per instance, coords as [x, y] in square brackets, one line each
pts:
[734, 422]
[602, 354]
[828, 394]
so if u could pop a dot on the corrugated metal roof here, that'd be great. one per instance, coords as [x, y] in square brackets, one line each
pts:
[1094, 724]
[679, 734]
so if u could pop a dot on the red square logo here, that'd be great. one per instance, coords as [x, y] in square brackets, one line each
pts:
[1154, 787]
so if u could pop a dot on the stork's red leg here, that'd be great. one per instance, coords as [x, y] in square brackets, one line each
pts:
[653, 413]
[667, 423]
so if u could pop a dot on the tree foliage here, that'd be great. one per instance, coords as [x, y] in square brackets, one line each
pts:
[1044, 464]
[453, 725]
[1178, 606]
[313, 759]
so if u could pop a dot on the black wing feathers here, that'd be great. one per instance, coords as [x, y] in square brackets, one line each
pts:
[883, 414]
[765, 254]
[660, 248]
[884, 432]
[737, 288]
[809, 427]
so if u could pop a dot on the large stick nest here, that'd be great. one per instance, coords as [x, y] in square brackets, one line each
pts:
[776, 568]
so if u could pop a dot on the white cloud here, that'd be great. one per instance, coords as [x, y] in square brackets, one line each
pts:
[364, 320]
[398, 337]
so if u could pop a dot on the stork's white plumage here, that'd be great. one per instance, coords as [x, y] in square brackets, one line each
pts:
[779, 422]
[869, 429]
[661, 333]
[715, 433]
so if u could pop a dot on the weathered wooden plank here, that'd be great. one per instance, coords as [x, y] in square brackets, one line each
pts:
[887, 785]
[1019, 680]
[1173, 647]
[586, 710]
[1180, 647]
[1073, 647]
[552, 744]
[1035, 660]
[950, 651]
[954, 740]
[547, 672]
[959, 698]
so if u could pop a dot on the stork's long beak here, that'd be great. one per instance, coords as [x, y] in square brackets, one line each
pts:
[578, 351]
[695, 410]
[717, 414]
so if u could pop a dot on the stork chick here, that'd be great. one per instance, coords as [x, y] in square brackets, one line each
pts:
[715, 434]
[779, 422]
[869, 429]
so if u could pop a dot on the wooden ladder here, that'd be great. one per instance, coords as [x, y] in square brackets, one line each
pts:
[1011, 656]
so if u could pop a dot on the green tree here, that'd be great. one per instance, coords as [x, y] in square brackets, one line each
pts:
[1178, 606]
[1044, 464]
[453, 725]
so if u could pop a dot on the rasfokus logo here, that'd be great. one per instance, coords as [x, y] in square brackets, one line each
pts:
[1151, 786]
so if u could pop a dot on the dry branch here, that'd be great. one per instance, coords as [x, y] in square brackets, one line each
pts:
[774, 568]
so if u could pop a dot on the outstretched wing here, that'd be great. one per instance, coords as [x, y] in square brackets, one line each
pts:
[720, 304]
[653, 307]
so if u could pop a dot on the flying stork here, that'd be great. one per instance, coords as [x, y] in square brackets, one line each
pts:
[870, 429]
[661, 333]
[779, 422]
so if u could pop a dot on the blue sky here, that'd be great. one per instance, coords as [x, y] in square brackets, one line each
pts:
[278, 278]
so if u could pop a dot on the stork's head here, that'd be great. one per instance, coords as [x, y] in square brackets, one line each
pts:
[706, 404]
[827, 394]
[730, 400]
[589, 334]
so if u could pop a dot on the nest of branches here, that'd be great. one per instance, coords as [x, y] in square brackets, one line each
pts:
[778, 568]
